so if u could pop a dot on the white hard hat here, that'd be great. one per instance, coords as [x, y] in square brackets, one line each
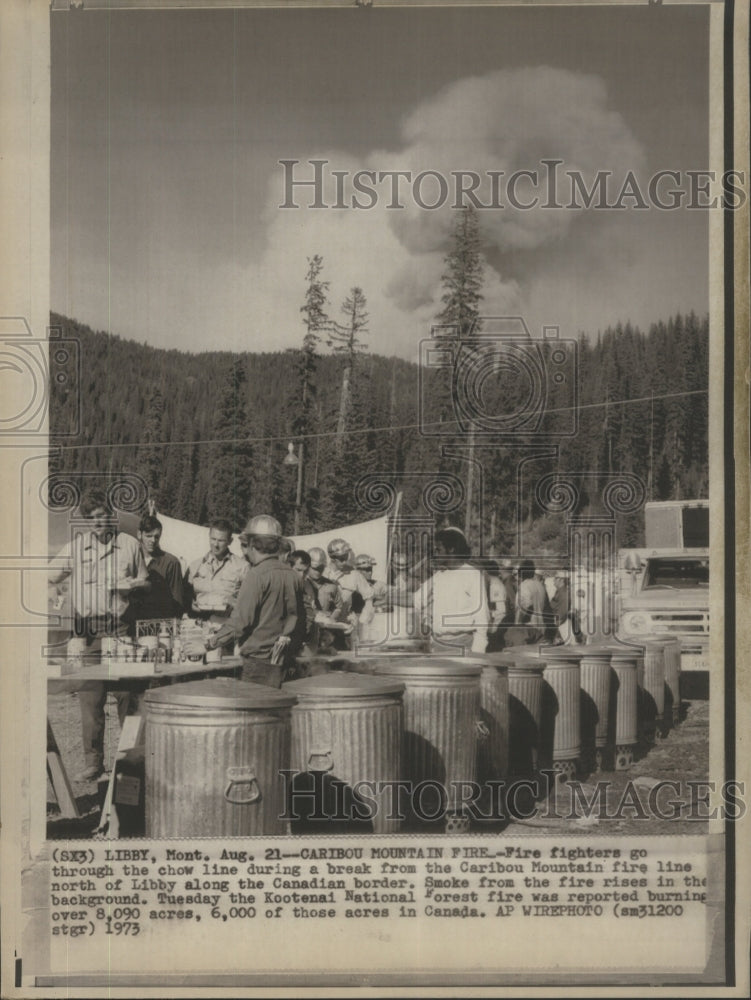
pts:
[317, 557]
[365, 562]
[263, 524]
[338, 547]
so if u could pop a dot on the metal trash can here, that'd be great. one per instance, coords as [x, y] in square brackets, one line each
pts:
[441, 711]
[672, 678]
[624, 720]
[349, 728]
[561, 732]
[596, 678]
[214, 750]
[525, 683]
[493, 733]
[671, 667]
[651, 688]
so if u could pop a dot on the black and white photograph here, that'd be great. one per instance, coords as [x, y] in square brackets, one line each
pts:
[375, 458]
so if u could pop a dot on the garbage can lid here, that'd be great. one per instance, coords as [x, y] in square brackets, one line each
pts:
[629, 652]
[662, 640]
[220, 693]
[562, 652]
[523, 658]
[342, 685]
[430, 666]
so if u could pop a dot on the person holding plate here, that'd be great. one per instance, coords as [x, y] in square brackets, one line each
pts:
[106, 569]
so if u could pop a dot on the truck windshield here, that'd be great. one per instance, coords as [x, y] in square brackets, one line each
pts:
[683, 573]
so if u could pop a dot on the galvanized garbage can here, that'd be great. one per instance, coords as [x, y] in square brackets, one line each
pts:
[441, 711]
[348, 728]
[596, 675]
[651, 688]
[624, 663]
[493, 732]
[672, 678]
[214, 750]
[561, 735]
[525, 683]
[671, 667]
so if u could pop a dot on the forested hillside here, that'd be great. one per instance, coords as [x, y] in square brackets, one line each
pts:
[209, 432]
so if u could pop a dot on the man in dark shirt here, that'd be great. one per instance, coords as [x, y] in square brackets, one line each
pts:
[268, 619]
[165, 597]
[299, 560]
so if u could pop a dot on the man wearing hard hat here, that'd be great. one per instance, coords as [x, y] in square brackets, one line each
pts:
[268, 619]
[356, 592]
[365, 563]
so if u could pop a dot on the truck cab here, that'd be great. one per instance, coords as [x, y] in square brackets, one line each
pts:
[663, 588]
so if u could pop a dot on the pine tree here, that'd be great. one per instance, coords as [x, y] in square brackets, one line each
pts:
[462, 280]
[462, 295]
[315, 319]
[345, 339]
[230, 482]
[303, 421]
[151, 453]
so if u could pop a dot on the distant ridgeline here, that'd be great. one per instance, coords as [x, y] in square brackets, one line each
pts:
[209, 431]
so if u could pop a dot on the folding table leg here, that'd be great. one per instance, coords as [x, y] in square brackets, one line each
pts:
[59, 778]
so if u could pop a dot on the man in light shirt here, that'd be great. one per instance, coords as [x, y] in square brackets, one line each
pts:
[106, 568]
[453, 603]
[214, 581]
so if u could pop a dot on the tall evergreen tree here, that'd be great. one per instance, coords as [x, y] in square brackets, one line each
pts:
[463, 276]
[151, 452]
[345, 339]
[230, 485]
[303, 421]
[462, 294]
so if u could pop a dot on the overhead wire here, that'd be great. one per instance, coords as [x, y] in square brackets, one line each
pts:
[365, 430]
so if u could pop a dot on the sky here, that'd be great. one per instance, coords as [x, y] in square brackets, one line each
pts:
[168, 128]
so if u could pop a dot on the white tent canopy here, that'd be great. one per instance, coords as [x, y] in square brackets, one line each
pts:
[190, 542]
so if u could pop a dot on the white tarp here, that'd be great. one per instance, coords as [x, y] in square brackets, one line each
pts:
[190, 541]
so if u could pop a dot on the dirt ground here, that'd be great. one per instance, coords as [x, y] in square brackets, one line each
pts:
[683, 755]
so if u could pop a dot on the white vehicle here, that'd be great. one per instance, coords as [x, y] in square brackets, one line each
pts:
[664, 587]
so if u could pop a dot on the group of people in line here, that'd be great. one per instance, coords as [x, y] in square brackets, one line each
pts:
[276, 604]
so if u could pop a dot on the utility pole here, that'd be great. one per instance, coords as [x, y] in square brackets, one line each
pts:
[298, 498]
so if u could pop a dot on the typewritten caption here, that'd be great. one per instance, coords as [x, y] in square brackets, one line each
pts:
[121, 895]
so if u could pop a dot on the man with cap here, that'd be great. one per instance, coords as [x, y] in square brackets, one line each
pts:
[328, 600]
[365, 563]
[328, 596]
[268, 619]
[357, 593]
[403, 582]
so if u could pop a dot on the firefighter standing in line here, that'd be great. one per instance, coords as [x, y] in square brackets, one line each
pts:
[268, 619]
[365, 563]
[357, 593]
